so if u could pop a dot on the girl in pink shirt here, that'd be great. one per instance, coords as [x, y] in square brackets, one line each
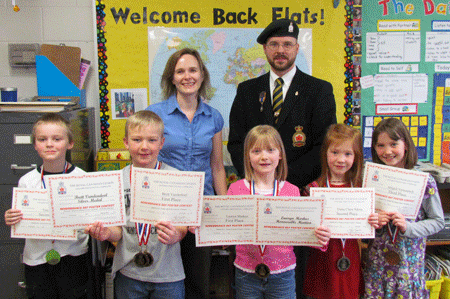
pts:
[266, 271]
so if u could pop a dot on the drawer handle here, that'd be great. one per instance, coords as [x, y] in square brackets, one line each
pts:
[17, 167]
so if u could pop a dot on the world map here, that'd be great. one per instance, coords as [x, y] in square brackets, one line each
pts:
[230, 55]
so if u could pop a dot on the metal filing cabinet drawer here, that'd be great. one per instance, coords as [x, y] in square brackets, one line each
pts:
[18, 157]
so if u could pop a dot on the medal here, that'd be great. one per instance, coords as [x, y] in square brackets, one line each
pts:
[343, 264]
[139, 259]
[262, 98]
[52, 257]
[392, 257]
[143, 258]
[262, 270]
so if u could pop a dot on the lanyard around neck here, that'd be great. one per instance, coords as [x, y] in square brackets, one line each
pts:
[342, 240]
[143, 229]
[276, 191]
[66, 167]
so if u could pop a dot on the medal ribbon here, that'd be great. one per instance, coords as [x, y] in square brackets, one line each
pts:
[276, 191]
[393, 235]
[342, 240]
[143, 232]
[143, 229]
[66, 167]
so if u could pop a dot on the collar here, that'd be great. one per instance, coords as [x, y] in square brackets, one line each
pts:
[287, 78]
[173, 106]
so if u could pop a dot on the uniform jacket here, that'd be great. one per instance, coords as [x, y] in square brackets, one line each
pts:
[308, 109]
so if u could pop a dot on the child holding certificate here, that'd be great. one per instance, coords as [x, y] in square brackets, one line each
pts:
[395, 264]
[53, 268]
[147, 261]
[266, 271]
[336, 273]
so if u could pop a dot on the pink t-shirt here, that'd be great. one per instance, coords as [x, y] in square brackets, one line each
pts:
[278, 258]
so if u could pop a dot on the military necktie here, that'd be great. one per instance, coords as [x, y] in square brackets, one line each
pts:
[277, 98]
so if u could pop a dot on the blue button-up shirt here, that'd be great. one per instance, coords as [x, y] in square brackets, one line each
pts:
[188, 145]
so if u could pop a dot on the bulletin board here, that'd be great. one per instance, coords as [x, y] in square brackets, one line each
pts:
[405, 72]
[135, 38]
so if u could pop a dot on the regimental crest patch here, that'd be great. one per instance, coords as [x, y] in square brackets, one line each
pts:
[299, 138]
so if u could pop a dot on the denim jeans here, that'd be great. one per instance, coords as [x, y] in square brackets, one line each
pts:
[275, 286]
[129, 288]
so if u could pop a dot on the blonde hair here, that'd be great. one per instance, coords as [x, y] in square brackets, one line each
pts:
[144, 118]
[168, 88]
[337, 134]
[396, 130]
[264, 136]
[52, 118]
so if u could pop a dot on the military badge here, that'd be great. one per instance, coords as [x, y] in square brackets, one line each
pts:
[299, 138]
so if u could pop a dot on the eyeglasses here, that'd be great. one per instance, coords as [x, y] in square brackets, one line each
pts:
[286, 46]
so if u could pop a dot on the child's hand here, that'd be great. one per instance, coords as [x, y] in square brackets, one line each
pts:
[98, 231]
[373, 220]
[399, 221]
[13, 216]
[383, 218]
[323, 234]
[169, 234]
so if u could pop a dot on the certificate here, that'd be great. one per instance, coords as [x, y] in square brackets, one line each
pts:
[288, 220]
[396, 189]
[174, 196]
[79, 200]
[347, 211]
[246, 219]
[36, 222]
[227, 220]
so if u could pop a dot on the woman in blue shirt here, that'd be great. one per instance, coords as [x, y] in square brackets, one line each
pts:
[193, 142]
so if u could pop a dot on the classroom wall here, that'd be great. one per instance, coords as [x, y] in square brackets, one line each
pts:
[49, 22]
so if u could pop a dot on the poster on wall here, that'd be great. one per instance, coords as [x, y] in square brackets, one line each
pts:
[126, 102]
[406, 57]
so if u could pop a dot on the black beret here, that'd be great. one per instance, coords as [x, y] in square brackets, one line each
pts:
[281, 27]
